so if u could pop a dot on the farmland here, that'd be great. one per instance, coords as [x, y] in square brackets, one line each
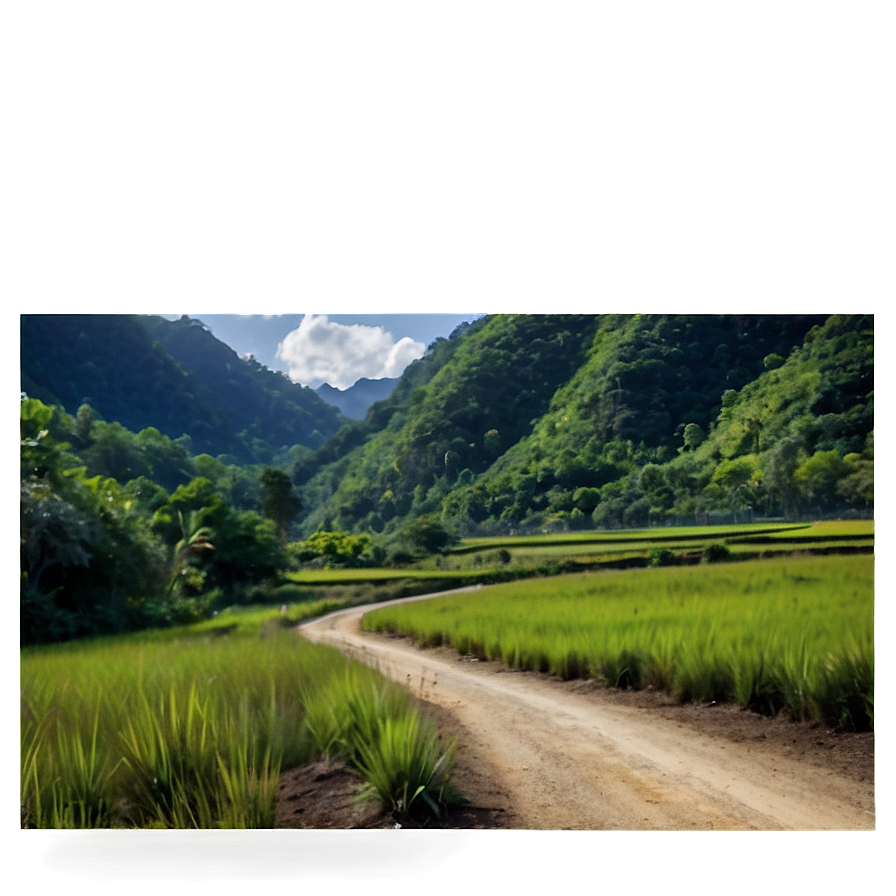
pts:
[191, 728]
[779, 634]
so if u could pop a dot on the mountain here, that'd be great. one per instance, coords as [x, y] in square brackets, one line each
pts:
[549, 420]
[453, 412]
[649, 380]
[355, 401]
[525, 422]
[646, 377]
[146, 371]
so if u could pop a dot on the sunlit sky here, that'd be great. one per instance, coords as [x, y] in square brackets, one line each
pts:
[337, 349]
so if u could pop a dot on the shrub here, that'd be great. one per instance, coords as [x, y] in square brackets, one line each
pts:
[715, 553]
[661, 557]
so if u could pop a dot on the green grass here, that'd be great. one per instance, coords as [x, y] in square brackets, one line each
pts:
[653, 535]
[375, 574]
[829, 529]
[192, 730]
[792, 634]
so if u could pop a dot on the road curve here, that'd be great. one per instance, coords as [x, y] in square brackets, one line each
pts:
[567, 761]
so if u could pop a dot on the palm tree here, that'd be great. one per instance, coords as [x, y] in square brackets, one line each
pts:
[196, 539]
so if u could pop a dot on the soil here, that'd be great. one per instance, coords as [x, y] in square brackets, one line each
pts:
[537, 753]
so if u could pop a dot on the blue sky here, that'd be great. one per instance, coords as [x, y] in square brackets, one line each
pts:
[335, 348]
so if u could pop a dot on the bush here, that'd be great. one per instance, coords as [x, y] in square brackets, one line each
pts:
[715, 553]
[662, 557]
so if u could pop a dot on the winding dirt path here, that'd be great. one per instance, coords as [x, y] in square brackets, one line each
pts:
[565, 760]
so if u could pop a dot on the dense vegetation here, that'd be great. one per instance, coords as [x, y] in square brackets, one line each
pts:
[105, 548]
[647, 432]
[452, 414]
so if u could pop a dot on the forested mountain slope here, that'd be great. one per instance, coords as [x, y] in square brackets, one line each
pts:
[674, 417]
[256, 403]
[552, 420]
[645, 378]
[452, 414]
[175, 376]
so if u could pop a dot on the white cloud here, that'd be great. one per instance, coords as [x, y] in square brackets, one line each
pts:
[321, 351]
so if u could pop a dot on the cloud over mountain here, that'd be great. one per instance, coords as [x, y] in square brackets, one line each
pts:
[321, 351]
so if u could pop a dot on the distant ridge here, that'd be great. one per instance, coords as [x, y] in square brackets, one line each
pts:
[146, 371]
[355, 401]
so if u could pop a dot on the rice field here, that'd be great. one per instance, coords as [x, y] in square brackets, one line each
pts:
[596, 548]
[191, 729]
[793, 634]
[657, 533]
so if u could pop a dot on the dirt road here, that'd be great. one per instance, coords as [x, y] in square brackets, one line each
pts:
[561, 759]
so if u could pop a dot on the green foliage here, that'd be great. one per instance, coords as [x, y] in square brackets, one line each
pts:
[661, 557]
[333, 548]
[469, 399]
[279, 502]
[648, 382]
[715, 553]
[427, 535]
[393, 747]
[818, 476]
[247, 548]
[88, 560]
[693, 436]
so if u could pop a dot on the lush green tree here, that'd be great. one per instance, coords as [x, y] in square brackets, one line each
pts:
[195, 539]
[248, 549]
[88, 559]
[779, 465]
[148, 495]
[279, 502]
[857, 484]
[694, 436]
[84, 424]
[335, 548]
[168, 461]
[113, 452]
[738, 480]
[586, 499]
[818, 477]
[427, 534]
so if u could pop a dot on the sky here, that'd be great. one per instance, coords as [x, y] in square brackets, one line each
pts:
[338, 349]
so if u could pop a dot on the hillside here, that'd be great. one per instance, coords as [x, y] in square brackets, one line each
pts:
[646, 378]
[453, 413]
[521, 422]
[145, 371]
[634, 439]
[538, 421]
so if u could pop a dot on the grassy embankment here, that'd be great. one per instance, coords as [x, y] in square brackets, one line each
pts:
[191, 728]
[791, 634]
